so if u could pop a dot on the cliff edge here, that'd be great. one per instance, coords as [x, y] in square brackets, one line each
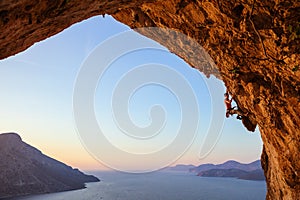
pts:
[24, 170]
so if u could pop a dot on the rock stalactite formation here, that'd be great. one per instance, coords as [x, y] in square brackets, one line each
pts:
[255, 45]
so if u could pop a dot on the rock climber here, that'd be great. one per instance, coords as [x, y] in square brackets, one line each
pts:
[229, 109]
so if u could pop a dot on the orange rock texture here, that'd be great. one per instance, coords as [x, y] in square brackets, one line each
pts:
[255, 45]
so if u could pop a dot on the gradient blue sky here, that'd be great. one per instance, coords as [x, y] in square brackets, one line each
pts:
[37, 87]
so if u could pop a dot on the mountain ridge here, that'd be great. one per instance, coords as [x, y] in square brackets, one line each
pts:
[25, 170]
[227, 165]
[231, 168]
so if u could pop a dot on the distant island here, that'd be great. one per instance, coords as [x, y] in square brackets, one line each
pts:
[231, 168]
[180, 167]
[24, 170]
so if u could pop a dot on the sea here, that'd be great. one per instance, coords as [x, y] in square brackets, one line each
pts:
[161, 186]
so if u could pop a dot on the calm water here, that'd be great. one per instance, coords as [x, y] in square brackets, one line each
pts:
[161, 186]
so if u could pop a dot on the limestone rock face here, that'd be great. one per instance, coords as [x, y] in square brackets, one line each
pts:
[255, 46]
[25, 22]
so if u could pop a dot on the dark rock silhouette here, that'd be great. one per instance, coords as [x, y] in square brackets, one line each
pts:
[25, 170]
[253, 175]
[236, 173]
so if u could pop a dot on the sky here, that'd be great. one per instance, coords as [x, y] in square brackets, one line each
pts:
[37, 102]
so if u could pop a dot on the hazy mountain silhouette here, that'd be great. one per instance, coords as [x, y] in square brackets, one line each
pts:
[251, 171]
[25, 170]
[180, 167]
[231, 164]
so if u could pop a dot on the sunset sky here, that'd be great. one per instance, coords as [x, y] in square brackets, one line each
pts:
[37, 100]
